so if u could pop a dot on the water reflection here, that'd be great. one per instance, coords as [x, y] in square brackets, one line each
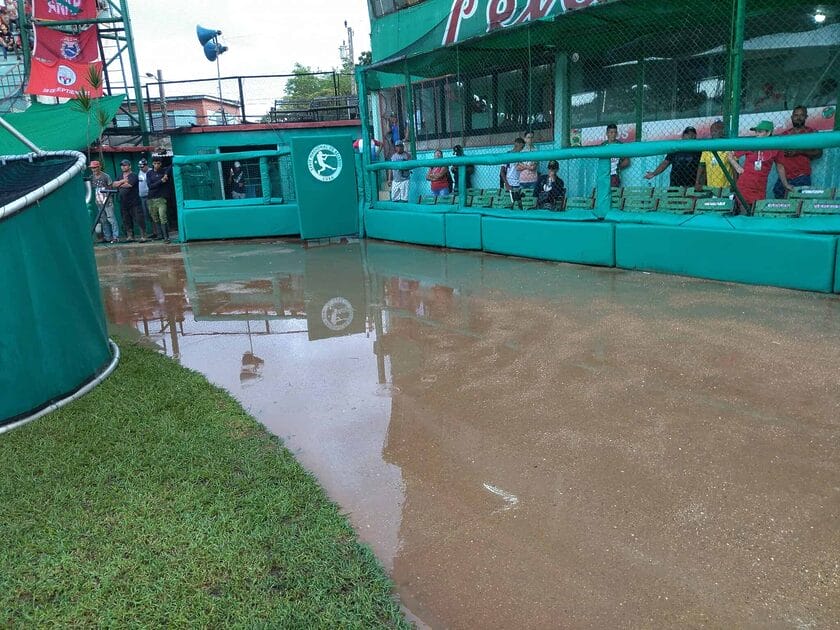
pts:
[525, 443]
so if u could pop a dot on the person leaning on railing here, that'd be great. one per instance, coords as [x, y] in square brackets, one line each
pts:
[709, 171]
[753, 175]
[458, 151]
[797, 163]
[616, 164]
[439, 178]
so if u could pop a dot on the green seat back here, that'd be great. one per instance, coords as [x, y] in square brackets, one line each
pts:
[427, 200]
[580, 203]
[714, 205]
[818, 207]
[776, 208]
[482, 201]
[639, 204]
[680, 205]
[810, 192]
[637, 191]
[446, 199]
[529, 203]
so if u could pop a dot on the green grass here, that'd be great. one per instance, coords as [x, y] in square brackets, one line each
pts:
[156, 501]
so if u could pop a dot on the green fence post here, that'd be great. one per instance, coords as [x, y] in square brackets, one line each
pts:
[265, 180]
[736, 53]
[369, 178]
[603, 192]
[640, 96]
[409, 92]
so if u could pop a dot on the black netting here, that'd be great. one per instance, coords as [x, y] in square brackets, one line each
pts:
[20, 177]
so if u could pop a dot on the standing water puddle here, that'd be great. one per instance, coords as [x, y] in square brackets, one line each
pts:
[526, 444]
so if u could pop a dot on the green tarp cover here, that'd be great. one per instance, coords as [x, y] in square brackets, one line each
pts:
[57, 127]
[54, 329]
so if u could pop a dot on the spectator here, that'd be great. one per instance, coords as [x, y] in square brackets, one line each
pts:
[143, 190]
[797, 164]
[130, 202]
[393, 135]
[709, 171]
[236, 181]
[157, 180]
[439, 178]
[510, 175]
[458, 151]
[399, 178]
[683, 164]
[550, 188]
[375, 146]
[753, 175]
[528, 174]
[101, 183]
[616, 164]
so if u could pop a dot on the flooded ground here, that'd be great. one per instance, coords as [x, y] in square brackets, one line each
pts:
[526, 444]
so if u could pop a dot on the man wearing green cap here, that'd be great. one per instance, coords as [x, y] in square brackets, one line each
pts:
[753, 175]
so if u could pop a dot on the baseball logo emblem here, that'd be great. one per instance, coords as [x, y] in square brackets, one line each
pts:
[324, 162]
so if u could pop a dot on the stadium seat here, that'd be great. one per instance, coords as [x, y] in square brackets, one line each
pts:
[482, 201]
[529, 203]
[781, 208]
[705, 191]
[670, 191]
[493, 192]
[714, 205]
[810, 192]
[446, 199]
[472, 192]
[579, 203]
[502, 201]
[637, 191]
[819, 207]
[639, 204]
[427, 200]
[527, 192]
[676, 205]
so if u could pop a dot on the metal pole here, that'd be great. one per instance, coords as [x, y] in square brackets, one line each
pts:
[135, 74]
[163, 112]
[20, 136]
[737, 57]
[151, 122]
[366, 144]
[241, 98]
[23, 25]
[219, 80]
[640, 97]
[409, 93]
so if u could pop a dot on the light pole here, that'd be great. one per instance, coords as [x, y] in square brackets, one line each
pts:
[159, 78]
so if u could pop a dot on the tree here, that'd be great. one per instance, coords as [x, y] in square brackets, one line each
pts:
[365, 59]
[304, 86]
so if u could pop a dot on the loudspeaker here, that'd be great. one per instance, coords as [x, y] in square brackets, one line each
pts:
[205, 34]
[213, 50]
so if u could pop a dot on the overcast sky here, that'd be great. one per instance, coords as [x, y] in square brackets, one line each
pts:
[263, 36]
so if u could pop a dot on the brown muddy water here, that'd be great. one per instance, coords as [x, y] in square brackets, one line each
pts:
[528, 444]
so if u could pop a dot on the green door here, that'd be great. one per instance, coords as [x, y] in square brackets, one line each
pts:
[325, 180]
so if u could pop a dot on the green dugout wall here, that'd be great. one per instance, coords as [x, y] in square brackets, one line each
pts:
[300, 180]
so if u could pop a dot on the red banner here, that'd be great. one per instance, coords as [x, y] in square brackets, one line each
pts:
[60, 10]
[62, 79]
[53, 45]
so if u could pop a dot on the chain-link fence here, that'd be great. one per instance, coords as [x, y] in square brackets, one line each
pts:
[619, 71]
[651, 68]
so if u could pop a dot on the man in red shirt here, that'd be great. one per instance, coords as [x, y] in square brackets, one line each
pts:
[797, 163]
[753, 175]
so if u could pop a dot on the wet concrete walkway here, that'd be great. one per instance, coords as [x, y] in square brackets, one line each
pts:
[526, 444]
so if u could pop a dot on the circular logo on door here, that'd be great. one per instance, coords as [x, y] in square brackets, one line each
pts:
[337, 314]
[324, 162]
